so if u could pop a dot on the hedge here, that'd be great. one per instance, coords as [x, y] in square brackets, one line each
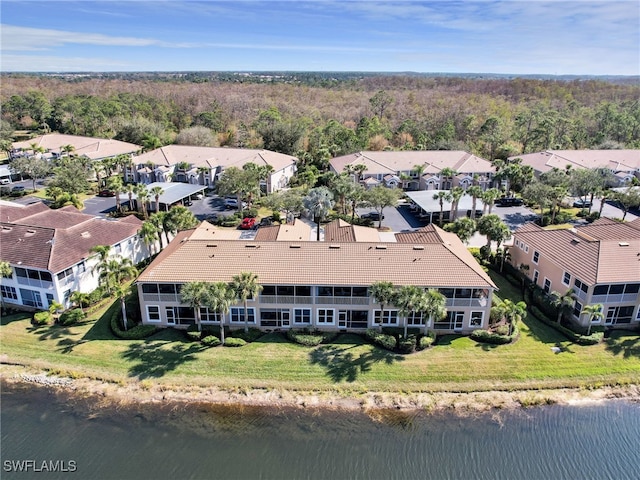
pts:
[596, 336]
[381, 339]
[251, 335]
[234, 342]
[137, 332]
[72, 316]
[42, 318]
[426, 340]
[211, 341]
[310, 338]
[485, 336]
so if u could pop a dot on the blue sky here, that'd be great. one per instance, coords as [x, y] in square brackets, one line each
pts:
[514, 36]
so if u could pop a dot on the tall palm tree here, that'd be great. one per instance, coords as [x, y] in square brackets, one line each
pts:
[149, 234]
[409, 300]
[447, 173]
[102, 253]
[156, 192]
[80, 299]
[196, 295]
[142, 198]
[441, 196]
[476, 192]
[512, 312]
[383, 293]
[435, 305]
[220, 298]
[245, 285]
[318, 201]
[121, 291]
[130, 190]
[594, 313]
[488, 198]
[456, 194]
[115, 184]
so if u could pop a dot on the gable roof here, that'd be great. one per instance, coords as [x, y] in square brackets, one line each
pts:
[93, 148]
[594, 254]
[54, 240]
[615, 160]
[388, 162]
[341, 231]
[317, 263]
[212, 157]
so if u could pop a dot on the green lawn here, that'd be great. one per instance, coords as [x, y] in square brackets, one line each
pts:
[347, 365]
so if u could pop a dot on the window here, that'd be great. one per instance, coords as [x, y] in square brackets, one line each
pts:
[237, 315]
[453, 321]
[619, 315]
[536, 257]
[577, 309]
[207, 315]
[153, 313]
[118, 249]
[416, 318]
[181, 315]
[35, 278]
[632, 288]
[476, 319]
[31, 298]
[274, 317]
[149, 288]
[49, 299]
[353, 319]
[566, 279]
[390, 317]
[325, 316]
[8, 292]
[581, 286]
[67, 273]
[302, 316]
[547, 285]
[82, 267]
[536, 274]
[526, 249]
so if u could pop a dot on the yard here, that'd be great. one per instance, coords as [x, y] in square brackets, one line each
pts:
[349, 365]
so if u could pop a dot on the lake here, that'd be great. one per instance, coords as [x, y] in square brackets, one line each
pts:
[53, 435]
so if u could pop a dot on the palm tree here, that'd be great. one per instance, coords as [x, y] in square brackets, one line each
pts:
[130, 189]
[115, 271]
[435, 305]
[245, 285]
[142, 197]
[488, 198]
[476, 192]
[79, 298]
[383, 293]
[102, 252]
[594, 313]
[512, 312]
[563, 302]
[219, 299]
[68, 149]
[318, 201]
[196, 295]
[5, 269]
[409, 300]
[149, 234]
[448, 173]
[441, 196]
[456, 194]
[156, 192]
[115, 184]
[121, 291]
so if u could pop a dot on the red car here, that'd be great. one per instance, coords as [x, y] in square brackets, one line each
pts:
[107, 193]
[247, 223]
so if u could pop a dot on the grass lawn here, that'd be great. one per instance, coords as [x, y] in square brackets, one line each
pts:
[348, 365]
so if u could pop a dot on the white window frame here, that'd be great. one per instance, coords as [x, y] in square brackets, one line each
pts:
[544, 285]
[204, 312]
[536, 277]
[300, 312]
[564, 276]
[481, 312]
[321, 315]
[239, 312]
[533, 257]
[387, 317]
[149, 319]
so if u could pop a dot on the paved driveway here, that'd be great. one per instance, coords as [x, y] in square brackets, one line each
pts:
[393, 219]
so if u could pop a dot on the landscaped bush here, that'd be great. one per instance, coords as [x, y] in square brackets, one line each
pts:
[211, 341]
[135, 332]
[426, 341]
[381, 339]
[250, 336]
[596, 336]
[234, 342]
[407, 345]
[193, 334]
[72, 316]
[42, 318]
[485, 336]
[310, 338]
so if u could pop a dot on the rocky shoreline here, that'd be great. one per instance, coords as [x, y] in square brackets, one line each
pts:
[466, 403]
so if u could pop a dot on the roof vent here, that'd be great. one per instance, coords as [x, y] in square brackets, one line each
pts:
[295, 245]
[624, 244]
[575, 241]
[381, 247]
[30, 233]
[334, 246]
[6, 229]
[251, 245]
[85, 235]
[418, 247]
[211, 245]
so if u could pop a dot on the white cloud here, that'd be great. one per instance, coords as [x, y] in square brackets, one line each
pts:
[43, 63]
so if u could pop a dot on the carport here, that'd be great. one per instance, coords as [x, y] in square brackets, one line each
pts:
[425, 206]
[173, 192]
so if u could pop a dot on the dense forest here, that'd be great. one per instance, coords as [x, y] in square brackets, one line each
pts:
[318, 116]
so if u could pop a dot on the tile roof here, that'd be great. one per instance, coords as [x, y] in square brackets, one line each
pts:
[341, 231]
[616, 160]
[190, 258]
[427, 234]
[434, 161]
[212, 157]
[90, 147]
[592, 254]
[57, 239]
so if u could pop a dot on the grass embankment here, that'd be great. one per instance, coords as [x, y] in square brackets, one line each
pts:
[349, 365]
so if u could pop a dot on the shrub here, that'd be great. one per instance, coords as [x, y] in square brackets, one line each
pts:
[193, 334]
[250, 336]
[234, 342]
[42, 318]
[381, 339]
[485, 336]
[596, 335]
[310, 338]
[407, 345]
[211, 341]
[426, 340]
[136, 332]
[72, 316]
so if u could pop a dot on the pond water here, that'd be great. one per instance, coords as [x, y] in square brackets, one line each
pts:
[91, 439]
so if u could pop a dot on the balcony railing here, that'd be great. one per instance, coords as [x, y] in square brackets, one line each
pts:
[615, 298]
[342, 300]
[32, 282]
[467, 302]
[291, 299]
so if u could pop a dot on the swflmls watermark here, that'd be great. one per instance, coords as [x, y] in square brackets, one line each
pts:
[37, 466]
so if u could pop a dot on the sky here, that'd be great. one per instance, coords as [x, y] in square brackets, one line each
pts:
[448, 36]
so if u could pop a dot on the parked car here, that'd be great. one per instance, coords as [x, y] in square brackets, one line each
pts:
[212, 218]
[581, 203]
[265, 222]
[247, 223]
[18, 189]
[106, 193]
[509, 202]
[187, 203]
[5, 181]
[232, 202]
[478, 213]
[375, 216]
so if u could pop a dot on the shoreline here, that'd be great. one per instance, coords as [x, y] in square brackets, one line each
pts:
[457, 403]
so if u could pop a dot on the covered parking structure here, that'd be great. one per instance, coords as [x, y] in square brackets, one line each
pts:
[426, 207]
[173, 193]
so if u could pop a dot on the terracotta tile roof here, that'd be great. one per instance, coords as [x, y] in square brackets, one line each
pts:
[297, 231]
[215, 157]
[56, 239]
[610, 258]
[90, 147]
[616, 160]
[206, 231]
[341, 231]
[317, 263]
[605, 228]
[11, 211]
[267, 234]
[427, 234]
